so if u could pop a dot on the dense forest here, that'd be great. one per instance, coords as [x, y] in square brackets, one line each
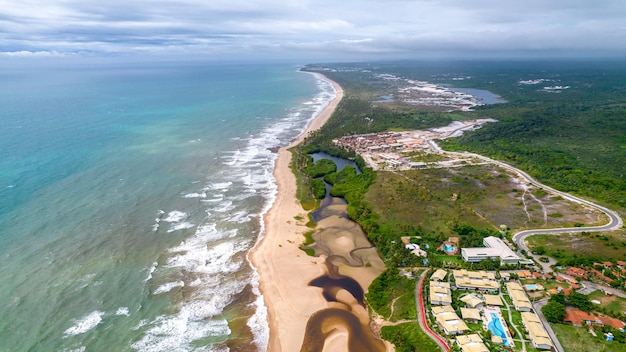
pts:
[573, 139]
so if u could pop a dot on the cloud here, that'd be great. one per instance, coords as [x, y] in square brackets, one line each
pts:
[305, 27]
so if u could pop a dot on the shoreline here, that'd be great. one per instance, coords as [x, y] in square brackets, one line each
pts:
[284, 270]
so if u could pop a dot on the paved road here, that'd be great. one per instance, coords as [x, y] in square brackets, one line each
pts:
[615, 221]
[421, 314]
[595, 286]
[537, 305]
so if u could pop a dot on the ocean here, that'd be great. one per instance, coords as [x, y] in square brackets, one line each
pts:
[130, 195]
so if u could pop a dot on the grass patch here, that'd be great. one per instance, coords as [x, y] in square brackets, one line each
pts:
[475, 327]
[613, 305]
[408, 337]
[575, 339]
[449, 258]
[308, 238]
[388, 287]
[309, 251]
[586, 245]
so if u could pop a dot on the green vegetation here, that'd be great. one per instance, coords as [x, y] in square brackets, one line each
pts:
[577, 339]
[319, 188]
[554, 310]
[611, 305]
[580, 249]
[408, 337]
[392, 296]
[572, 140]
[320, 168]
[579, 300]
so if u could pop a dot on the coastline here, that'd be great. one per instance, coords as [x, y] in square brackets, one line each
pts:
[284, 270]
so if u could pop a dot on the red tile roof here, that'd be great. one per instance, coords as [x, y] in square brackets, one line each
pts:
[577, 316]
[578, 272]
[616, 323]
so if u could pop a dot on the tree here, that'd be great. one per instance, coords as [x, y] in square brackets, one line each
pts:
[581, 301]
[559, 297]
[554, 311]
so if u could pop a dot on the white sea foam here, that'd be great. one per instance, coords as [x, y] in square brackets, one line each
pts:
[151, 271]
[157, 220]
[175, 216]
[211, 261]
[168, 287]
[85, 323]
[176, 333]
[258, 322]
[122, 311]
[220, 185]
[80, 349]
[195, 195]
[180, 226]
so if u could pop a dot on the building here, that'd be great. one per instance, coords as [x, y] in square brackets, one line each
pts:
[493, 300]
[494, 249]
[448, 321]
[470, 314]
[471, 343]
[576, 272]
[539, 337]
[440, 293]
[520, 300]
[577, 317]
[439, 275]
[475, 280]
[471, 300]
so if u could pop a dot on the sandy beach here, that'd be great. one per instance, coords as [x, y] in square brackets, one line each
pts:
[285, 270]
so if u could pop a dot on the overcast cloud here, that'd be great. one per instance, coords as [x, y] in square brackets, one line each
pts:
[313, 29]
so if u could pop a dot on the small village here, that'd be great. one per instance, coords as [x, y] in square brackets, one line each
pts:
[482, 310]
[398, 150]
[476, 311]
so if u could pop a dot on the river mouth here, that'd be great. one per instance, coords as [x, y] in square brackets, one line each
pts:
[352, 263]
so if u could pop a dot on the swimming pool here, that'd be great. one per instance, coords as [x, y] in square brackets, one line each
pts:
[531, 287]
[448, 248]
[496, 328]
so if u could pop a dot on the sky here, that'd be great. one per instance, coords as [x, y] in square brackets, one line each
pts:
[313, 30]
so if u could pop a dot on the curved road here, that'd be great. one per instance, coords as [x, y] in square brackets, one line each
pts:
[421, 315]
[615, 221]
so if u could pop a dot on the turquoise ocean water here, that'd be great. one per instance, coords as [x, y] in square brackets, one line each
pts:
[130, 195]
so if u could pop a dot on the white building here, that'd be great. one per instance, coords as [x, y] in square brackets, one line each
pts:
[494, 249]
